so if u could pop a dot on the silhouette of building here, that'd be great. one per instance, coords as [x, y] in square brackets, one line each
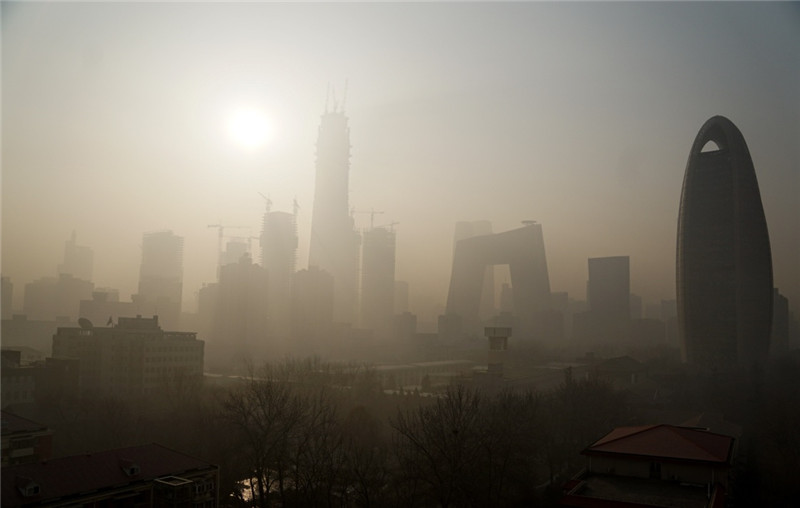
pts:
[7, 293]
[779, 342]
[240, 320]
[279, 259]
[377, 279]
[724, 264]
[312, 305]
[55, 297]
[145, 475]
[334, 241]
[78, 260]
[523, 250]
[134, 357]
[469, 229]
[161, 275]
[608, 296]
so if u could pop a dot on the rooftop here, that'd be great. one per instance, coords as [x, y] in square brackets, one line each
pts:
[78, 474]
[665, 441]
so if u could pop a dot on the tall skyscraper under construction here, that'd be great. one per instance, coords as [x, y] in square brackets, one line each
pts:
[161, 275]
[724, 263]
[334, 241]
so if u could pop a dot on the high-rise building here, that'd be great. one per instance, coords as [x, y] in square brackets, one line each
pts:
[279, 258]
[161, 275]
[724, 263]
[377, 279]
[334, 241]
[78, 260]
[7, 292]
[469, 229]
[609, 287]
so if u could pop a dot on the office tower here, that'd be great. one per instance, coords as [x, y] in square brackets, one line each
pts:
[724, 264]
[522, 250]
[334, 242]
[78, 260]
[469, 229]
[278, 257]
[161, 275]
[377, 279]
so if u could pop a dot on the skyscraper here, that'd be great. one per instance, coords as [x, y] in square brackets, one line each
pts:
[279, 257]
[377, 279]
[161, 275]
[334, 241]
[724, 264]
[78, 260]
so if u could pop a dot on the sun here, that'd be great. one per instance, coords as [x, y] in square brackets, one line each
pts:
[249, 128]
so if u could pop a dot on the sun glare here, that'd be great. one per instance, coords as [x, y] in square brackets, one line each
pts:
[249, 128]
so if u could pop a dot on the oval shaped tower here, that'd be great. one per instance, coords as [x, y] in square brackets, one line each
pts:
[724, 263]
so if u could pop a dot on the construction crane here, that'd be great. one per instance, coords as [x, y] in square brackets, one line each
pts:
[372, 213]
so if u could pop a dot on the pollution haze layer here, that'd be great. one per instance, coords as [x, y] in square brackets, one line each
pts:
[115, 120]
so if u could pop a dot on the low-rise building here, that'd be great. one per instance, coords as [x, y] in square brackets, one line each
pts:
[134, 357]
[654, 466]
[147, 475]
[24, 440]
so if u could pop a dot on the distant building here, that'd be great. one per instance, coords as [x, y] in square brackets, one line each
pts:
[147, 475]
[161, 275]
[134, 357]
[78, 260]
[312, 305]
[654, 466]
[608, 295]
[24, 441]
[7, 292]
[240, 320]
[334, 242]
[55, 297]
[523, 250]
[279, 259]
[724, 263]
[104, 308]
[377, 279]
[469, 229]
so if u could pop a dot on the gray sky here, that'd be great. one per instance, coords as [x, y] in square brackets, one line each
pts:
[579, 116]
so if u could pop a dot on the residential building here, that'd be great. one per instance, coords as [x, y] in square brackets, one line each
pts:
[377, 280]
[161, 275]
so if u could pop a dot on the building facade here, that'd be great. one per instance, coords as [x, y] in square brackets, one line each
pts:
[133, 358]
[724, 263]
[279, 259]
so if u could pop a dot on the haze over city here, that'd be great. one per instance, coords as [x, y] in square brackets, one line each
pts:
[117, 121]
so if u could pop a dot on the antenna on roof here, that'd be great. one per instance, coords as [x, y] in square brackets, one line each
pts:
[344, 99]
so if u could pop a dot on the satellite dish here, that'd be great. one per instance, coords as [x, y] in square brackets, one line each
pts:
[85, 323]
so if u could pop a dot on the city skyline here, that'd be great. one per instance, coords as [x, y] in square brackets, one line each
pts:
[576, 116]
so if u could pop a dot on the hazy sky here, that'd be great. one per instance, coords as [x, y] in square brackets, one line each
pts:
[579, 116]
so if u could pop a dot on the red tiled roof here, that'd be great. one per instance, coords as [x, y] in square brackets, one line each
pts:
[665, 441]
[83, 473]
[11, 424]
